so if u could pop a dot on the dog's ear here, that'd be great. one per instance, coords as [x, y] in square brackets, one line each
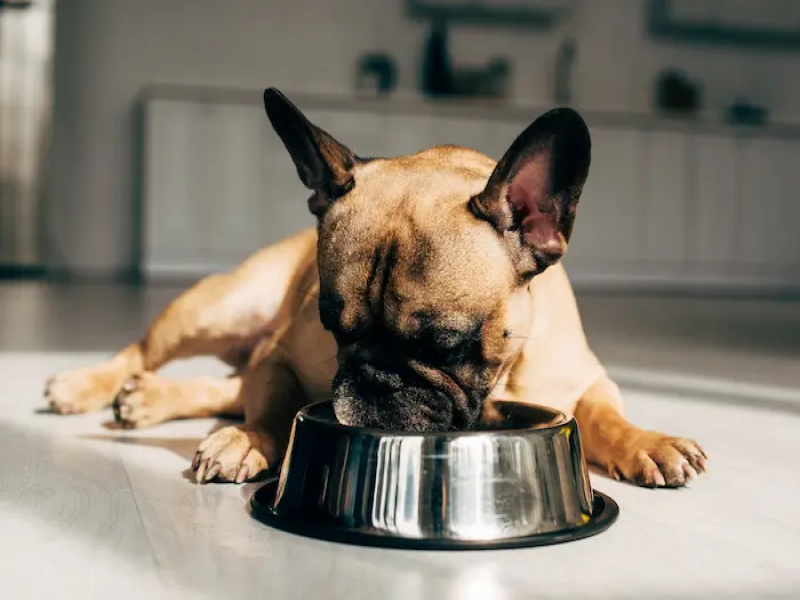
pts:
[324, 165]
[532, 195]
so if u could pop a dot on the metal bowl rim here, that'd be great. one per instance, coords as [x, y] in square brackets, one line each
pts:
[303, 415]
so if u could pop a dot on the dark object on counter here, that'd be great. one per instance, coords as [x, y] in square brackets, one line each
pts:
[437, 69]
[676, 93]
[742, 112]
[377, 73]
[565, 58]
[490, 82]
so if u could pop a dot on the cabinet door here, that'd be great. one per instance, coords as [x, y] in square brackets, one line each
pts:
[404, 134]
[714, 195]
[172, 223]
[789, 244]
[457, 131]
[765, 202]
[665, 199]
[607, 231]
[361, 131]
[499, 135]
[229, 195]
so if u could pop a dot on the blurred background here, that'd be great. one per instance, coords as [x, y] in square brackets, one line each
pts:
[134, 150]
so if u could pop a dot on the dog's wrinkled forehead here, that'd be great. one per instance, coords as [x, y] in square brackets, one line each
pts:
[405, 235]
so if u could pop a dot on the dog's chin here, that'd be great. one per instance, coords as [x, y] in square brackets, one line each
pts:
[406, 409]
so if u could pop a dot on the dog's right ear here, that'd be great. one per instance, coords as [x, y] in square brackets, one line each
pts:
[324, 165]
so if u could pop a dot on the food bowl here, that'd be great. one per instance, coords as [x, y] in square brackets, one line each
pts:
[519, 481]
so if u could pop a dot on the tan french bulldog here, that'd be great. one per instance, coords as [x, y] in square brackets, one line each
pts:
[430, 284]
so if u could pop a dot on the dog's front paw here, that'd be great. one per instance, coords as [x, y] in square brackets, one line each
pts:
[656, 460]
[232, 454]
[143, 401]
[81, 390]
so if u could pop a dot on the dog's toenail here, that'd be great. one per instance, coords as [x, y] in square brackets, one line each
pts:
[213, 472]
[242, 475]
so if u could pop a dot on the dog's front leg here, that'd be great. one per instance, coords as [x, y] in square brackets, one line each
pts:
[147, 399]
[646, 458]
[223, 315]
[271, 396]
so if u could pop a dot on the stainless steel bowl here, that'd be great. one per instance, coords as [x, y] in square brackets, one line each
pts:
[521, 481]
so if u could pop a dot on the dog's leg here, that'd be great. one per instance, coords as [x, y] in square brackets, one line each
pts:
[223, 315]
[92, 388]
[193, 324]
[147, 399]
[271, 396]
[646, 458]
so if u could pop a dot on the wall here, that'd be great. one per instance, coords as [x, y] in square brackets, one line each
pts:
[107, 50]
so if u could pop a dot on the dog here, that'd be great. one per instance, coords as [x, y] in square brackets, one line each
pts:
[431, 283]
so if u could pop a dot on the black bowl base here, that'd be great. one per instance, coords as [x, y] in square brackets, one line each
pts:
[605, 514]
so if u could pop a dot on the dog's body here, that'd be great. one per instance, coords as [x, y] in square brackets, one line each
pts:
[431, 284]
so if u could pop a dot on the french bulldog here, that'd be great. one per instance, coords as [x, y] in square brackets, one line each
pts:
[431, 283]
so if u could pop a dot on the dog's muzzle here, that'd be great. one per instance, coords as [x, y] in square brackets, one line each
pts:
[400, 395]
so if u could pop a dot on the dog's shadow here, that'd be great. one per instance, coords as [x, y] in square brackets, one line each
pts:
[184, 447]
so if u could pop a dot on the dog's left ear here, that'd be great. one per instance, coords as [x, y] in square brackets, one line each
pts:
[324, 165]
[532, 195]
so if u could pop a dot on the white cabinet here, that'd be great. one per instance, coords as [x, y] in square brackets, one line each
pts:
[228, 194]
[218, 185]
[403, 134]
[172, 220]
[714, 198]
[669, 206]
[765, 188]
[465, 132]
[607, 230]
[665, 199]
[500, 134]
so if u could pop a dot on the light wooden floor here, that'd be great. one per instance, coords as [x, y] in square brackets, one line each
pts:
[86, 512]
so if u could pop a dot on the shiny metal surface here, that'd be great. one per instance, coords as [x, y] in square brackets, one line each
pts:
[523, 477]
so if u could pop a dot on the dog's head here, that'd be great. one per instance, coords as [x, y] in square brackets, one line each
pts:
[425, 260]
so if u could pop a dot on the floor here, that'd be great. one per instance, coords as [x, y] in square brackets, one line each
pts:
[87, 512]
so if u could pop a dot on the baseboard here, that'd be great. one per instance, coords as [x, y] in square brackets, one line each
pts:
[22, 273]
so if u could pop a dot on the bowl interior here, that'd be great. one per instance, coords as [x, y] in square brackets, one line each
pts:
[498, 416]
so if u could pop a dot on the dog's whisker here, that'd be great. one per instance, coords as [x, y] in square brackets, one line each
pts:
[509, 334]
[309, 292]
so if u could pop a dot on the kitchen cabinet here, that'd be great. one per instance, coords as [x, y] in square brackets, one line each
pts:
[607, 227]
[500, 134]
[664, 204]
[763, 228]
[458, 132]
[401, 134]
[172, 219]
[666, 198]
[229, 199]
[713, 198]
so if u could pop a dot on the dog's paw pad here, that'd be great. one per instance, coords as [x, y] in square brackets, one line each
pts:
[232, 454]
